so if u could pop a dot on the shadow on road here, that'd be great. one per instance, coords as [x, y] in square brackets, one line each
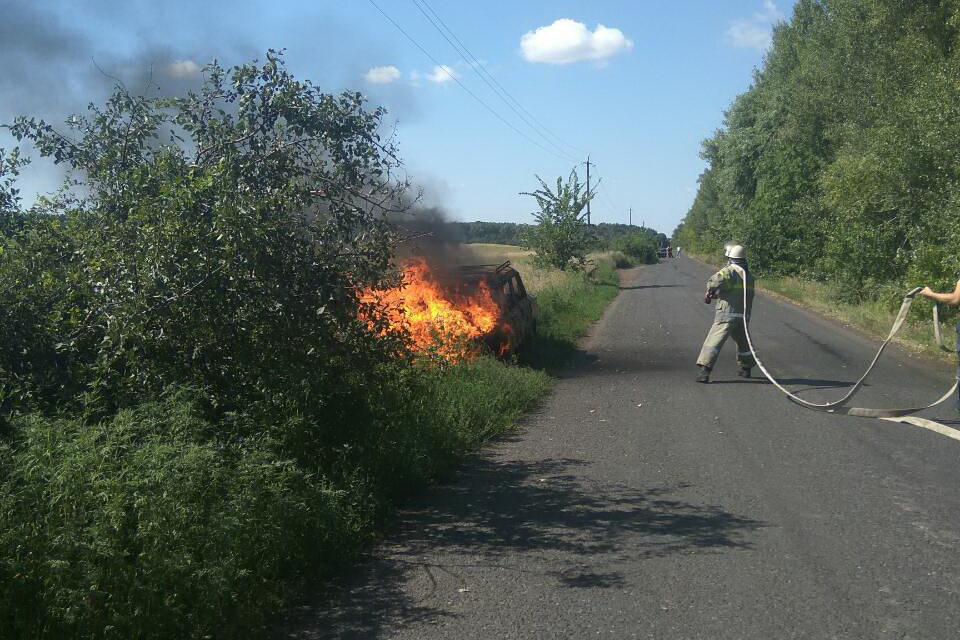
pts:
[504, 515]
[556, 356]
[648, 286]
[811, 384]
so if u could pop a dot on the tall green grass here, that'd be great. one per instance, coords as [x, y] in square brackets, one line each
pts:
[874, 315]
[148, 525]
[568, 309]
[156, 524]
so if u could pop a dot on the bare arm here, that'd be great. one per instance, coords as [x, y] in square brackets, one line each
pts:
[952, 299]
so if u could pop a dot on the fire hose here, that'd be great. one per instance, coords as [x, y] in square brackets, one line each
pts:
[840, 406]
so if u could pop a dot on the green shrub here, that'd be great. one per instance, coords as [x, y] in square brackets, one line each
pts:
[160, 523]
[147, 525]
[231, 260]
[639, 246]
[621, 260]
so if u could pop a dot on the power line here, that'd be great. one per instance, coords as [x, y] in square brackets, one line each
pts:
[461, 49]
[609, 198]
[463, 86]
[490, 80]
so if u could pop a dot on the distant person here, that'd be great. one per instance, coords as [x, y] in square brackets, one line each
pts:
[669, 251]
[679, 249]
[952, 299]
[726, 286]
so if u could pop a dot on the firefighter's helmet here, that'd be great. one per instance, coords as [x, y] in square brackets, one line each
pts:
[737, 251]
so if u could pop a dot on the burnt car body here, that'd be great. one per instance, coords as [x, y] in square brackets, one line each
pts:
[517, 324]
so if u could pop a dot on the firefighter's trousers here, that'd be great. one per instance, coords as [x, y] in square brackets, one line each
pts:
[718, 334]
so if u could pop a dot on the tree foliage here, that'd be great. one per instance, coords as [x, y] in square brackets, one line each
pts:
[561, 237]
[218, 239]
[196, 408]
[841, 160]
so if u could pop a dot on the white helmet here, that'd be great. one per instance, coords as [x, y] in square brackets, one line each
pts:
[736, 251]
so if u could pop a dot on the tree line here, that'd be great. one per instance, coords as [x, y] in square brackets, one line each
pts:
[840, 162]
[604, 235]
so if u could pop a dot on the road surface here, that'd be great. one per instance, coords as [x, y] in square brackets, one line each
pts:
[638, 504]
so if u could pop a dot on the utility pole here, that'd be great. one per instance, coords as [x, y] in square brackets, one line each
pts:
[631, 216]
[588, 189]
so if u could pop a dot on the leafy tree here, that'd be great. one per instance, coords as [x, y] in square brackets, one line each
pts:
[840, 161]
[220, 239]
[561, 236]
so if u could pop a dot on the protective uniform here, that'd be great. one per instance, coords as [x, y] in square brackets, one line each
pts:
[727, 287]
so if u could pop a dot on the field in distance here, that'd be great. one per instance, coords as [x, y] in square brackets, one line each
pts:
[535, 278]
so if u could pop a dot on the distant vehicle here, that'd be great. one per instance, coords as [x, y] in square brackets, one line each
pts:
[517, 325]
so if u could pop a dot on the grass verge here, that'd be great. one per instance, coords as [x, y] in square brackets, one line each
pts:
[171, 520]
[568, 309]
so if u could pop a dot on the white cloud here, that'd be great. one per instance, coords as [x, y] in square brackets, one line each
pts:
[382, 75]
[567, 41]
[442, 73]
[747, 35]
[755, 32]
[183, 69]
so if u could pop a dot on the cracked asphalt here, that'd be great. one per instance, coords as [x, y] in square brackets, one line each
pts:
[636, 503]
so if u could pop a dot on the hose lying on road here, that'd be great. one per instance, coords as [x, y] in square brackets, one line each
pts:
[839, 406]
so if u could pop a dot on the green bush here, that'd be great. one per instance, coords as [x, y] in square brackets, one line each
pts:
[149, 525]
[160, 523]
[231, 260]
[640, 246]
[621, 260]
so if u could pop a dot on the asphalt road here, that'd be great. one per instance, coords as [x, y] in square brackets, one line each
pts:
[639, 504]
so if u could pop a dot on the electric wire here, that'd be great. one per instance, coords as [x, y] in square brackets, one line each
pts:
[478, 67]
[453, 77]
[609, 198]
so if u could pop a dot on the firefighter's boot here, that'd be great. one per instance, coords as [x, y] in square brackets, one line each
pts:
[704, 375]
[744, 372]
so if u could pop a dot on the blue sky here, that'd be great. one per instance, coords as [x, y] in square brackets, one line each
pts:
[638, 85]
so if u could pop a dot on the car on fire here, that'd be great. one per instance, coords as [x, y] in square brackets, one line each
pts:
[517, 325]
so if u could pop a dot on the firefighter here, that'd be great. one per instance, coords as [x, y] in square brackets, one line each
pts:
[952, 299]
[726, 286]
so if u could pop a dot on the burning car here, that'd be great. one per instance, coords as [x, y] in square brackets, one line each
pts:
[449, 312]
[516, 325]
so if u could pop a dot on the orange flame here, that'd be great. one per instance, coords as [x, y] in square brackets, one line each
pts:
[446, 323]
